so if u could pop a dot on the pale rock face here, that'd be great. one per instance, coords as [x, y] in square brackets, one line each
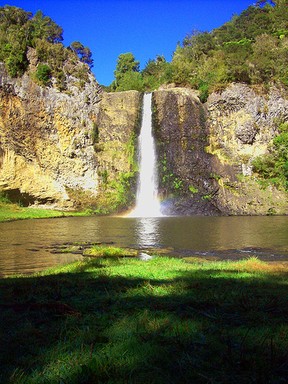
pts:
[49, 152]
[242, 125]
[46, 147]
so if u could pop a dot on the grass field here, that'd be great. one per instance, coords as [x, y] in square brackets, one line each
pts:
[9, 211]
[122, 320]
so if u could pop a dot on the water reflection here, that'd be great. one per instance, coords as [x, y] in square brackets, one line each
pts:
[25, 245]
[147, 232]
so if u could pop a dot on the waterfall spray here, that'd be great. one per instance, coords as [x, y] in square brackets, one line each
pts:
[147, 203]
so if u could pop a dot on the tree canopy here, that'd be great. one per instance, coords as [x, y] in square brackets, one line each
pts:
[250, 48]
[21, 30]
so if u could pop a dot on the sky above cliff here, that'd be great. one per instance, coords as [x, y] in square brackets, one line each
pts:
[146, 28]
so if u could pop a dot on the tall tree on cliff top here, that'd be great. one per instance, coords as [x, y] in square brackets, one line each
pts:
[127, 74]
[18, 31]
[43, 27]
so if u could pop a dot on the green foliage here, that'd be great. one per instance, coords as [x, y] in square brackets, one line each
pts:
[4, 199]
[193, 189]
[10, 211]
[109, 251]
[43, 74]
[274, 166]
[84, 53]
[156, 72]
[127, 74]
[44, 28]
[250, 48]
[20, 31]
[129, 81]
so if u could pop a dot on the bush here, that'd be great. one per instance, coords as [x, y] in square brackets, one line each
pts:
[43, 74]
[274, 166]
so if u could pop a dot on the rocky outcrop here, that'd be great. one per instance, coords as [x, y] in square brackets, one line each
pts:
[206, 151]
[241, 125]
[46, 149]
[67, 149]
[184, 166]
[118, 123]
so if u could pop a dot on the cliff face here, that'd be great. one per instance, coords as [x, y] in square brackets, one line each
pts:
[118, 122]
[45, 141]
[77, 148]
[64, 149]
[241, 126]
[206, 151]
[184, 166]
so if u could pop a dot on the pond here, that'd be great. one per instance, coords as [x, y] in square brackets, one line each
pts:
[26, 246]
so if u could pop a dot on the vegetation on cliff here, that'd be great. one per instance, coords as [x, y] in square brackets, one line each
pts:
[21, 32]
[273, 167]
[250, 48]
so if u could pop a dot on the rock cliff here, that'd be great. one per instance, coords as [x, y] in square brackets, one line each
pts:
[77, 148]
[65, 149]
[184, 166]
[206, 151]
[115, 141]
[241, 124]
[46, 149]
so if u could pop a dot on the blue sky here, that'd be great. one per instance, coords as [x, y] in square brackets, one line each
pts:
[146, 28]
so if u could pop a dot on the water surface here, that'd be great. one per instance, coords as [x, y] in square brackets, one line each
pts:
[25, 246]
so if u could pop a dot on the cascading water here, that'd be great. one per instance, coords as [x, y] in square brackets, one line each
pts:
[147, 203]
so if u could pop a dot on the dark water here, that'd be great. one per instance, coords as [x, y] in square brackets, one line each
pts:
[25, 246]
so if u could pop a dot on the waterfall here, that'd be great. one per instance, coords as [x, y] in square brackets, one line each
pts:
[147, 203]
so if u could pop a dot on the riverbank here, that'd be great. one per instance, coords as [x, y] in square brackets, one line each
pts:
[123, 320]
[11, 212]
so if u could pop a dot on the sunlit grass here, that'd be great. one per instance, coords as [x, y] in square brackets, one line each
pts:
[123, 320]
[9, 211]
[109, 251]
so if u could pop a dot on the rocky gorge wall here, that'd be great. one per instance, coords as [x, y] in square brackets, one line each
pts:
[46, 149]
[68, 149]
[206, 151]
[77, 148]
[242, 124]
[184, 167]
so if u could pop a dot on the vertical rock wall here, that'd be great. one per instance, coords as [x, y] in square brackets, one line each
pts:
[205, 152]
[67, 150]
[45, 141]
[115, 145]
[184, 166]
[241, 126]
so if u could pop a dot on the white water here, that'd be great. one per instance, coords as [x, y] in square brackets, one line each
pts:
[147, 203]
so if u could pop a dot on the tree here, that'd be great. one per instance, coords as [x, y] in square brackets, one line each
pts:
[13, 16]
[84, 53]
[264, 59]
[43, 74]
[126, 63]
[131, 80]
[43, 27]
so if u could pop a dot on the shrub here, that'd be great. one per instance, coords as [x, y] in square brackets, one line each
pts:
[43, 74]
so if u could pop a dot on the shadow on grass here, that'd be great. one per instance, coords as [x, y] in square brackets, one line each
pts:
[202, 326]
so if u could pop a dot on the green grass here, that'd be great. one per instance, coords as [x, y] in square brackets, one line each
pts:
[123, 320]
[9, 212]
[109, 251]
